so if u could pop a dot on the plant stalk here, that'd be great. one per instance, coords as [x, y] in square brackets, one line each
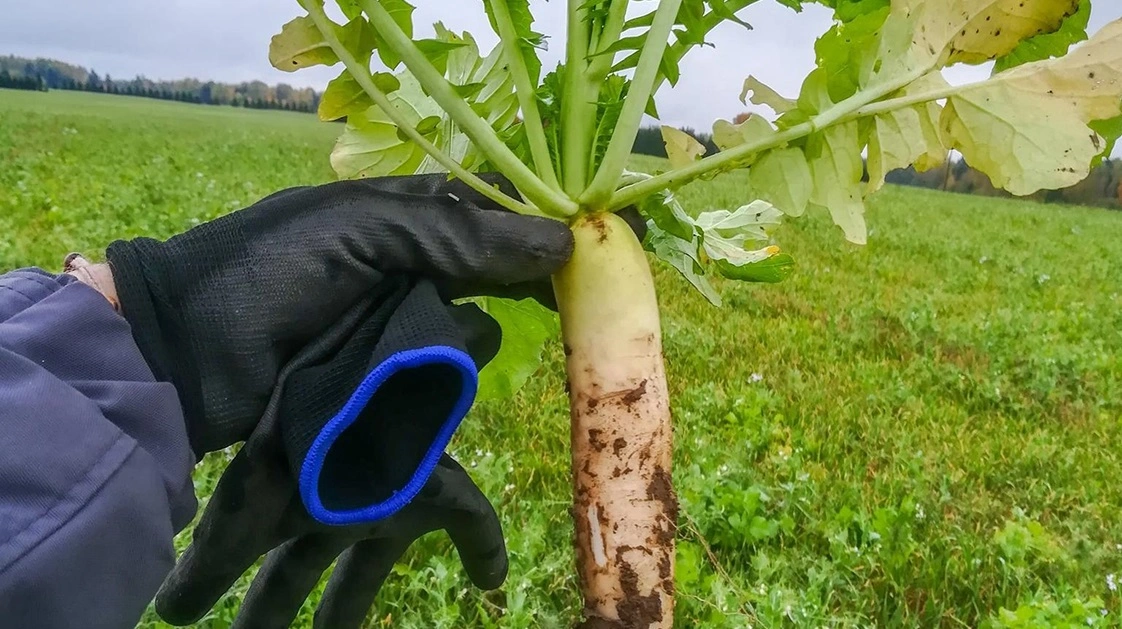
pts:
[602, 62]
[843, 112]
[526, 89]
[361, 74]
[625, 510]
[476, 128]
[578, 107]
[631, 116]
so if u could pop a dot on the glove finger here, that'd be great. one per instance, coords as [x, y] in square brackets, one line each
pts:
[472, 524]
[356, 581]
[440, 184]
[440, 237]
[482, 334]
[287, 577]
[226, 541]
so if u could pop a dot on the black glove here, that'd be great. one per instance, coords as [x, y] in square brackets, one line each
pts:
[394, 364]
[220, 309]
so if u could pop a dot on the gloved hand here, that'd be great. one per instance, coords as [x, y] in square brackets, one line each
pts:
[401, 411]
[219, 310]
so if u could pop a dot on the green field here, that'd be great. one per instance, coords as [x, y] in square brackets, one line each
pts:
[922, 432]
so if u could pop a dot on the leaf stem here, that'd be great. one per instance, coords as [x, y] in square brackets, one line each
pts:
[475, 127]
[901, 102]
[631, 116]
[578, 106]
[526, 90]
[361, 74]
[845, 111]
[601, 63]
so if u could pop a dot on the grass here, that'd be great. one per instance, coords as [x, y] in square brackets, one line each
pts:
[921, 432]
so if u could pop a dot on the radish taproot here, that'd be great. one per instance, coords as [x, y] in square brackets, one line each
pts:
[439, 104]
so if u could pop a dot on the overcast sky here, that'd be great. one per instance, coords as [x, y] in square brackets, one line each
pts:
[228, 40]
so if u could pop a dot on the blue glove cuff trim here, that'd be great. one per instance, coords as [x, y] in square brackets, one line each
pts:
[313, 461]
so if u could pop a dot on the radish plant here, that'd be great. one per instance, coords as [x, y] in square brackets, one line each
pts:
[563, 138]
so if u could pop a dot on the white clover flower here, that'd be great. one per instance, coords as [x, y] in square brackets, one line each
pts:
[1111, 584]
[756, 377]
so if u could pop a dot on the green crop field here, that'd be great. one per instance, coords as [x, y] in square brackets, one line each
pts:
[926, 431]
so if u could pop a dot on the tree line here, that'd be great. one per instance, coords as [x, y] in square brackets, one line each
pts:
[44, 74]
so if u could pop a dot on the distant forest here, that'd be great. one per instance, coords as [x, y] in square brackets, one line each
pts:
[44, 74]
[1102, 188]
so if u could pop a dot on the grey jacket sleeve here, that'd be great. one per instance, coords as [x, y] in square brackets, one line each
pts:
[95, 467]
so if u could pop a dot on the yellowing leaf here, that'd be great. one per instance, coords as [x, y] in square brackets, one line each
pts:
[681, 147]
[300, 45]
[835, 166]
[907, 136]
[764, 95]
[1027, 128]
[921, 35]
[727, 135]
[997, 27]
[344, 96]
[782, 177]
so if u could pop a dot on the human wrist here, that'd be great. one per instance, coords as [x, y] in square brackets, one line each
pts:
[97, 276]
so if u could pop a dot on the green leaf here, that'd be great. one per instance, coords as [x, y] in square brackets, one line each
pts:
[782, 177]
[850, 10]
[834, 156]
[814, 96]
[549, 108]
[1110, 130]
[664, 209]
[529, 41]
[1055, 44]
[402, 13]
[344, 96]
[428, 125]
[907, 136]
[848, 52]
[771, 270]
[683, 256]
[681, 147]
[359, 38]
[350, 8]
[761, 528]
[526, 326]
[613, 91]
[728, 235]
[764, 95]
[300, 45]
[721, 9]
[437, 51]
[1027, 128]
[370, 145]
[374, 146]
[723, 236]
